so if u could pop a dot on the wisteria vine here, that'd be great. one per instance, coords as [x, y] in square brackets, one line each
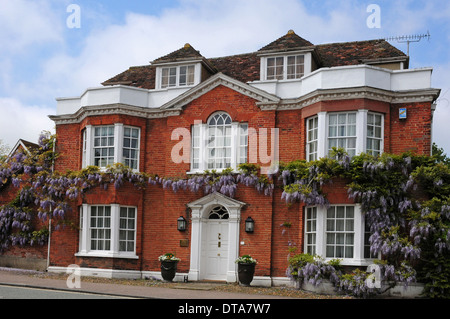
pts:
[405, 200]
[49, 194]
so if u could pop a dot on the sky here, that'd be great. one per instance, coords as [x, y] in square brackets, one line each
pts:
[59, 48]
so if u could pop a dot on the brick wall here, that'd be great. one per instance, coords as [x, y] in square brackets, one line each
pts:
[413, 133]
[158, 209]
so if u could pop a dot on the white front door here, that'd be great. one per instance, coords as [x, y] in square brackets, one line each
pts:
[216, 250]
[214, 237]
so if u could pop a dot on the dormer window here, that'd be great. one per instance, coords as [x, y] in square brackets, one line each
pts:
[177, 76]
[291, 66]
[285, 68]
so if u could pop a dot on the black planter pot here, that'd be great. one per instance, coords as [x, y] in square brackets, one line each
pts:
[168, 269]
[246, 273]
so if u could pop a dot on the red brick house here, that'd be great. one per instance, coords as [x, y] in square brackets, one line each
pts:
[307, 98]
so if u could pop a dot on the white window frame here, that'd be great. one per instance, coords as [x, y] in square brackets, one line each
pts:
[307, 65]
[310, 230]
[85, 233]
[321, 235]
[283, 60]
[177, 69]
[88, 156]
[373, 138]
[361, 132]
[312, 138]
[349, 136]
[200, 145]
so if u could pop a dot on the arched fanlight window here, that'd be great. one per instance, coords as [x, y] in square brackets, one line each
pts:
[218, 212]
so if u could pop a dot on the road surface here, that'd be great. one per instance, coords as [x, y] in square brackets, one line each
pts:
[18, 292]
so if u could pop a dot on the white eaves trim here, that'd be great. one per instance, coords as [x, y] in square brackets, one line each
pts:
[266, 93]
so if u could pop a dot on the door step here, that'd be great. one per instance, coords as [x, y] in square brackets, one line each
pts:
[203, 285]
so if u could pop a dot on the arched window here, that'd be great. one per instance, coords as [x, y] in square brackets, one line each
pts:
[219, 144]
[219, 141]
[219, 212]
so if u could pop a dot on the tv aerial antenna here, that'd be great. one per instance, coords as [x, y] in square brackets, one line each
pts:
[409, 38]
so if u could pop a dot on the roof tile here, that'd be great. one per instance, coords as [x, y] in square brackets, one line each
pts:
[246, 67]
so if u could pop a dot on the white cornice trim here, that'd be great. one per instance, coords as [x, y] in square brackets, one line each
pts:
[397, 97]
[175, 107]
[109, 109]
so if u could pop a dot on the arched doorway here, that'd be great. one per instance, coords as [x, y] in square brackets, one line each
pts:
[214, 237]
[215, 244]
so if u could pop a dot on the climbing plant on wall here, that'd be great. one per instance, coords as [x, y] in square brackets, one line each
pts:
[404, 197]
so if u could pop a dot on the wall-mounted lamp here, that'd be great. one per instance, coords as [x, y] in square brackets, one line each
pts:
[249, 225]
[181, 223]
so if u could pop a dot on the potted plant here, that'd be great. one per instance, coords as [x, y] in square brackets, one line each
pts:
[168, 266]
[246, 269]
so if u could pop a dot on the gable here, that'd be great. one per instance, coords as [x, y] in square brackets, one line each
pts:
[220, 79]
[216, 199]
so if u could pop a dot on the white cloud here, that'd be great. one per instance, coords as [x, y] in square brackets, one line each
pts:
[19, 121]
[216, 28]
[25, 23]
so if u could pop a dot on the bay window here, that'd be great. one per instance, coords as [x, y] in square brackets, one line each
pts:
[342, 132]
[107, 231]
[109, 144]
[356, 132]
[336, 232]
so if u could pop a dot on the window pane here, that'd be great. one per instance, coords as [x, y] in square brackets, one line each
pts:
[340, 212]
[340, 239]
[339, 232]
[342, 132]
[330, 212]
[350, 212]
[310, 231]
[168, 77]
[103, 146]
[330, 252]
[127, 229]
[377, 132]
[330, 225]
[100, 223]
[275, 68]
[378, 121]
[374, 134]
[348, 252]
[351, 118]
[295, 66]
[312, 141]
[130, 150]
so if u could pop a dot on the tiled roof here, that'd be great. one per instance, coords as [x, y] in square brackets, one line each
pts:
[246, 67]
[353, 53]
[243, 67]
[288, 42]
[137, 76]
[185, 53]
